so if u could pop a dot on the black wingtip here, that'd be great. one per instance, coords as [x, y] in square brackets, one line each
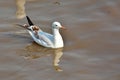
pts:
[29, 21]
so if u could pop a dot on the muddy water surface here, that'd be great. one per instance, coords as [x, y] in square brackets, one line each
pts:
[92, 40]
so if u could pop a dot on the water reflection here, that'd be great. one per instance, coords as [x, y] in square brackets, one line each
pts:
[34, 51]
[20, 8]
[20, 12]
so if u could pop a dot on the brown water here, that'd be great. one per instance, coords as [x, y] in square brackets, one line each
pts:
[92, 40]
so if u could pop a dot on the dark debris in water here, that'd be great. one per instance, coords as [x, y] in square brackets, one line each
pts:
[57, 3]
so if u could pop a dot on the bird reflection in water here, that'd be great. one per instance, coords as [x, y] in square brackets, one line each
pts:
[20, 8]
[34, 51]
[20, 12]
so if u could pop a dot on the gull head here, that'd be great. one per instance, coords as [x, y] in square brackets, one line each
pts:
[57, 25]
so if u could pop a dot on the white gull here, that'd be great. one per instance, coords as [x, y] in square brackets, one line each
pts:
[43, 38]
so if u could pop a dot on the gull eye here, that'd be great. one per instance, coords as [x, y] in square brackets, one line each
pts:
[55, 25]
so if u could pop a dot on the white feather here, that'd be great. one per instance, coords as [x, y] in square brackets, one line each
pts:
[48, 40]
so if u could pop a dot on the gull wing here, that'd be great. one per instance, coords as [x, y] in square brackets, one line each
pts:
[46, 38]
[42, 39]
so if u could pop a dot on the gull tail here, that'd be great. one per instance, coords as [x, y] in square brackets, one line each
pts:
[29, 21]
[26, 27]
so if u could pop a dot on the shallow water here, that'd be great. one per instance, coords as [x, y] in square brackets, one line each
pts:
[92, 40]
